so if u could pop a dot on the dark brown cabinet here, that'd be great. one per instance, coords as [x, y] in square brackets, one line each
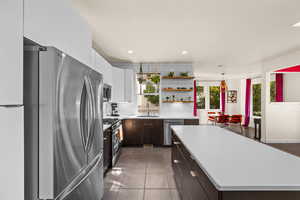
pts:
[194, 184]
[107, 149]
[138, 132]
[191, 122]
[133, 132]
[186, 177]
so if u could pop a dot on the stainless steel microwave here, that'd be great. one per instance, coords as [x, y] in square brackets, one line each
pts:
[106, 92]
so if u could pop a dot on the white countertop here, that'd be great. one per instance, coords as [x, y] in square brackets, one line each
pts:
[105, 127]
[158, 117]
[234, 162]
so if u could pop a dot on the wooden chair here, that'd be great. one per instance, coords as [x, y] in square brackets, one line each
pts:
[211, 118]
[236, 119]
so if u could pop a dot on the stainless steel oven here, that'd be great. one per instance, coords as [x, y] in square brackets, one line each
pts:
[106, 93]
[117, 139]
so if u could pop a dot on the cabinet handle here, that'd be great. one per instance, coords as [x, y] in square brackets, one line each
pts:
[193, 174]
[104, 139]
[176, 161]
[177, 143]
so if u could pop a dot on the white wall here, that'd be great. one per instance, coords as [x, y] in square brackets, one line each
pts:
[291, 91]
[164, 68]
[56, 23]
[11, 52]
[234, 108]
[281, 121]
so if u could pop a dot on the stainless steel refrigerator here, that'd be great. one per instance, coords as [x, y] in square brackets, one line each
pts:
[63, 127]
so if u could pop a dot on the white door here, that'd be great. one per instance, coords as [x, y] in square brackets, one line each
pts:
[12, 153]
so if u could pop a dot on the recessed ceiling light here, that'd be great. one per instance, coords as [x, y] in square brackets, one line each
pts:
[184, 52]
[130, 51]
[297, 24]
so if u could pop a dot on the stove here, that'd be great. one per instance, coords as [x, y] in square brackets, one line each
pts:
[117, 137]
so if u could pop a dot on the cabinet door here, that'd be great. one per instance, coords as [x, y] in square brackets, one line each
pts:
[12, 153]
[133, 132]
[129, 85]
[118, 84]
[107, 150]
[11, 52]
[191, 122]
[157, 133]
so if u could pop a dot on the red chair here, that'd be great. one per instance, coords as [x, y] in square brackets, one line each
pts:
[223, 119]
[211, 118]
[236, 119]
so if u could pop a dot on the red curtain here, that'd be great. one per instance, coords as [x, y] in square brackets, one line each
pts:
[279, 87]
[247, 102]
[195, 99]
[223, 92]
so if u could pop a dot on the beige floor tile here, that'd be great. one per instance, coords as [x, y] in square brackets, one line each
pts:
[156, 181]
[133, 181]
[131, 194]
[157, 195]
[175, 195]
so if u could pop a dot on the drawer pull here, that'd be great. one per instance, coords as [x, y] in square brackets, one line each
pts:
[176, 161]
[177, 143]
[193, 174]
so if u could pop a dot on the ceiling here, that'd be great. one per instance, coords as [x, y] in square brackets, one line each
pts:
[237, 34]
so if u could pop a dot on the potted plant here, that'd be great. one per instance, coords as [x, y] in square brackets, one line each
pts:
[171, 74]
[156, 79]
[184, 74]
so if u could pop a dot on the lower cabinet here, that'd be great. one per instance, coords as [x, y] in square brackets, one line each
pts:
[132, 132]
[107, 149]
[191, 122]
[193, 184]
[138, 132]
[188, 175]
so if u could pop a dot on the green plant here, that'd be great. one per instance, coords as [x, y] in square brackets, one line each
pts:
[155, 79]
[171, 74]
[149, 88]
[184, 73]
[154, 99]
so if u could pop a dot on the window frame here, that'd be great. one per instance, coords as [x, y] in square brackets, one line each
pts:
[206, 86]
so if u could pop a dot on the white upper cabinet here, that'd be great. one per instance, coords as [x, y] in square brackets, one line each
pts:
[102, 66]
[56, 23]
[123, 85]
[118, 88]
[11, 52]
[129, 83]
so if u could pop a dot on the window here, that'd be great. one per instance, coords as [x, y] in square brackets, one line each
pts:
[200, 97]
[214, 97]
[273, 91]
[256, 99]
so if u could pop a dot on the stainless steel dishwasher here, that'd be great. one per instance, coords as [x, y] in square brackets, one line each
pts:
[167, 129]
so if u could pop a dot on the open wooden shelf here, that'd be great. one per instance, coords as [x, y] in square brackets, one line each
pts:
[178, 101]
[178, 77]
[176, 90]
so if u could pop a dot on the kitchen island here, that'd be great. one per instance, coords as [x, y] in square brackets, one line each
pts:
[212, 163]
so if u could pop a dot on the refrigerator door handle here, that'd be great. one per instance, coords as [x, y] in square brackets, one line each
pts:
[82, 176]
[83, 102]
[92, 110]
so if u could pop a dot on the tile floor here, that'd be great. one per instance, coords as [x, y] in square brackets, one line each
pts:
[141, 174]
